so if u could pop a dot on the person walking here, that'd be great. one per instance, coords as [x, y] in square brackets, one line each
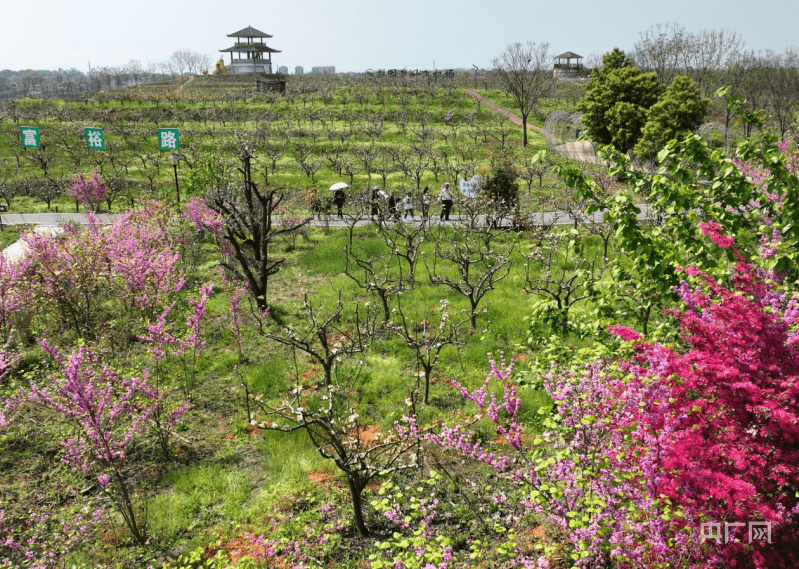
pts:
[339, 198]
[445, 197]
[375, 201]
[407, 205]
[392, 206]
[426, 199]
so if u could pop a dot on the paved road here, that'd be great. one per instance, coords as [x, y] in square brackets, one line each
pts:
[50, 223]
[51, 219]
[582, 150]
[56, 219]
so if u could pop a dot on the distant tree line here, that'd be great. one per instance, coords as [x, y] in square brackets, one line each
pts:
[73, 83]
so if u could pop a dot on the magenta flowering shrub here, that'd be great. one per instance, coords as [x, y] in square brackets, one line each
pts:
[420, 517]
[144, 256]
[184, 350]
[88, 276]
[204, 218]
[94, 288]
[301, 535]
[646, 445]
[88, 191]
[760, 174]
[773, 169]
[109, 412]
[13, 297]
[290, 219]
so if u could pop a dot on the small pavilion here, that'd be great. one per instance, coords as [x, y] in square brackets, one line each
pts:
[253, 55]
[564, 66]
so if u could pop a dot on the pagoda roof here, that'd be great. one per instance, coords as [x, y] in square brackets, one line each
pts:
[250, 48]
[568, 55]
[249, 32]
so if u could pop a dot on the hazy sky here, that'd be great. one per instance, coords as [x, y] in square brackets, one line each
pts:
[355, 35]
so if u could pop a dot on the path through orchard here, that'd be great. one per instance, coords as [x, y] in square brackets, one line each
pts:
[580, 150]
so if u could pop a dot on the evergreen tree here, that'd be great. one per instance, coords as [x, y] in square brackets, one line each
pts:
[679, 112]
[617, 100]
[500, 184]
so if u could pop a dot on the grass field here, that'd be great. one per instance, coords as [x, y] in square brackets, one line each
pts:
[361, 132]
[226, 477]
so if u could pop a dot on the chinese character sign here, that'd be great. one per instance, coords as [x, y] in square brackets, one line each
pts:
[95, 139]
[29, 136]
[168, 139]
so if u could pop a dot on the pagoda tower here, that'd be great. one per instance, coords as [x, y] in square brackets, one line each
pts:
[250, 50]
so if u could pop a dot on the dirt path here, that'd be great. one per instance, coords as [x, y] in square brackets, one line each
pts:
[581, 151]
[189, 80]
[514, 118]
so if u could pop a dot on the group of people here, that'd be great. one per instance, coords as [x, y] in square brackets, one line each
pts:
[406, 203]
[445, 198]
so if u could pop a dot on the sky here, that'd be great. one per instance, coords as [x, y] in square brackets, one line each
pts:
[356, 35]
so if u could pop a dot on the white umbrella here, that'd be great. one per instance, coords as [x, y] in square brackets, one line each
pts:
[339, 186]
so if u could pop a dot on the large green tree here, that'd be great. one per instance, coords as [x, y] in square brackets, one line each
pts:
[617, 100]
[679, 112]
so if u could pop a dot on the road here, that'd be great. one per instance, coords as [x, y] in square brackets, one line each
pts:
[56, 219]
[52, 219]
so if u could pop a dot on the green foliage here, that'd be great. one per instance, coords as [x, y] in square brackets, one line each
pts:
[500, 184]
[194, 560]
[207, 173]
[416, 510]
[617, 100]
[679, 112]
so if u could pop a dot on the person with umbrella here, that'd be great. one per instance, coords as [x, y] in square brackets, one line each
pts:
[339, 197]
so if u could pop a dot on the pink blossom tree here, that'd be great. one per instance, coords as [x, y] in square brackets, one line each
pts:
[89, 191]
[109, 413]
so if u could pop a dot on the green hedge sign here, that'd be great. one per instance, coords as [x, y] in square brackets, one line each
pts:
[29, 135]
[95, 139]
[168, 139]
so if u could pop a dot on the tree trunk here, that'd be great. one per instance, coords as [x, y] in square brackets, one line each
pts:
[386, 310]
[426, 397]
[356, 488]
[647, 313]
[524, 129]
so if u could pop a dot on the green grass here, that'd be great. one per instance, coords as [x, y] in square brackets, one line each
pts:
[198, 496]
[10, 234]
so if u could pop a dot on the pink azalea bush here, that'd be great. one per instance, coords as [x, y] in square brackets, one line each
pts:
[645, 446]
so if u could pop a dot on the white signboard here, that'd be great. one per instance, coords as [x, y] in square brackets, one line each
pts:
[470, 188]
